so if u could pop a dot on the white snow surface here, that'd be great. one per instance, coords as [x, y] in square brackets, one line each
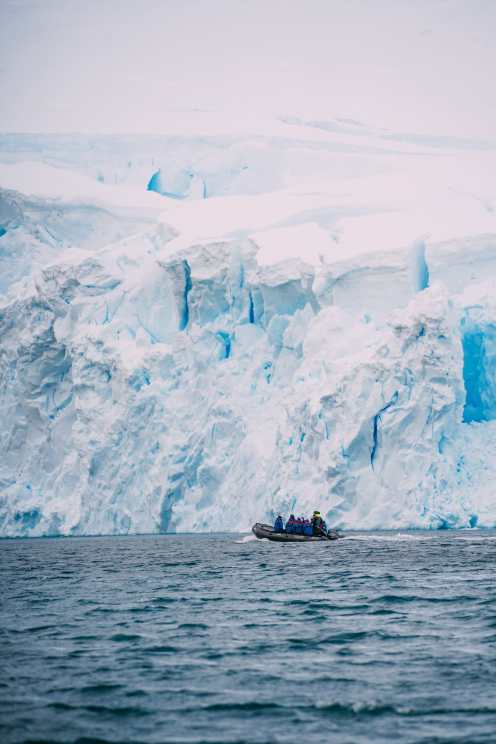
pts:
[298, 320]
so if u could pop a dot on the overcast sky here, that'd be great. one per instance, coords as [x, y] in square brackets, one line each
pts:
[121, 65]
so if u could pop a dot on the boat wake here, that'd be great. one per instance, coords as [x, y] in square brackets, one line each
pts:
[246, 539]
[391, 538]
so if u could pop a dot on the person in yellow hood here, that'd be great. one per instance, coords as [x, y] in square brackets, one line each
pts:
[319, 527]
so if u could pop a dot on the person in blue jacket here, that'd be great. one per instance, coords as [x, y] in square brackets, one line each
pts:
[290, 524]
[279, 524]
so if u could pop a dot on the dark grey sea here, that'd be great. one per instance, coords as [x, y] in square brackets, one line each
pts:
[196, 639]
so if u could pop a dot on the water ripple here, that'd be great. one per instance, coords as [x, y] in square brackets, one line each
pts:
[191, 640]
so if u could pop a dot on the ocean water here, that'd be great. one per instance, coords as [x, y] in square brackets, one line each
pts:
[224, 639]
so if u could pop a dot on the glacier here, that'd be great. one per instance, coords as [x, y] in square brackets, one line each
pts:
[188, 348]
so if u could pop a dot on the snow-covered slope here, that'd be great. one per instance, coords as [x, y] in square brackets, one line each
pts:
[197, 364]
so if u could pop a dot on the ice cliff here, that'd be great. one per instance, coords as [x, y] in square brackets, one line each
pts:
[164, 368]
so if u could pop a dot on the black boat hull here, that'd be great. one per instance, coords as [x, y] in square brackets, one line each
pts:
[266, 532]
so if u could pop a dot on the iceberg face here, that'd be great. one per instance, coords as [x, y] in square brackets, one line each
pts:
[35, 232]
[210, 391]
[166, 369]
[479, 363]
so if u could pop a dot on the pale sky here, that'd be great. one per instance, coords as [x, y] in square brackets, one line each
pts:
[110, 66]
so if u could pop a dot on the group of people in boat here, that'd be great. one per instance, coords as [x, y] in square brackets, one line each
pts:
[301, 526]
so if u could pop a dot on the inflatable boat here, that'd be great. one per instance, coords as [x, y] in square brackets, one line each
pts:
[266, 532]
